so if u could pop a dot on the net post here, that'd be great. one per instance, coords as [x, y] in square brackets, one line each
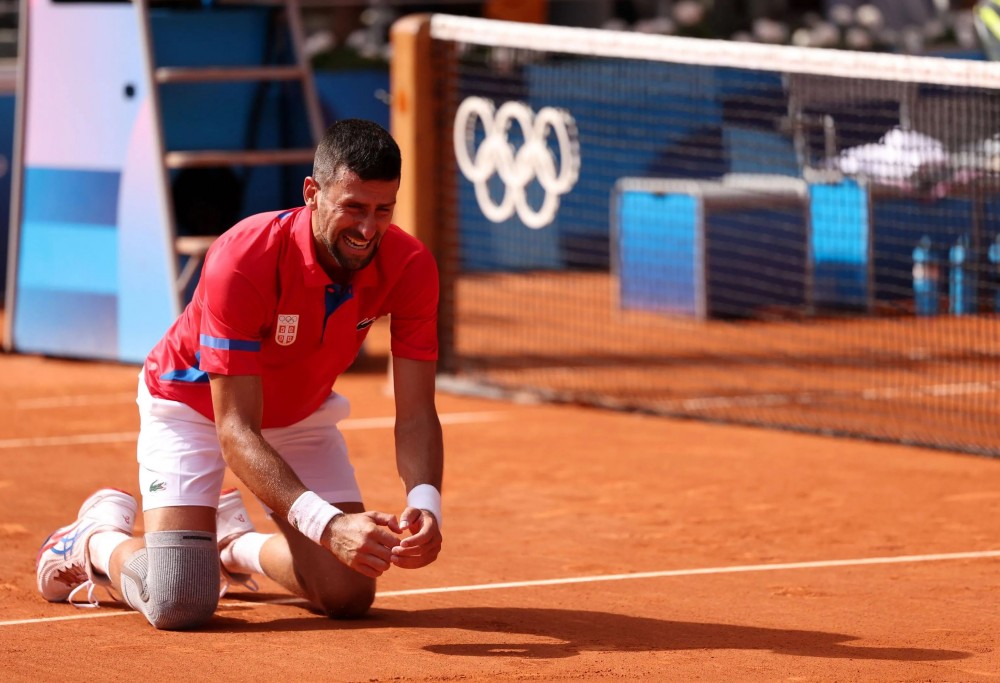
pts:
[413, 114]
[411, 122]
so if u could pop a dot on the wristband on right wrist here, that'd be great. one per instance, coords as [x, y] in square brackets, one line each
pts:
[310, 515]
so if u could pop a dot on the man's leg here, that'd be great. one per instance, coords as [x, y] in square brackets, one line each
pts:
[297, 564]
[316, 450]
[312, 572]
[171, 574]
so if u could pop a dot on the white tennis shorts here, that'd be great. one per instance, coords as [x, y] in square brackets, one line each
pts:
[180, 460]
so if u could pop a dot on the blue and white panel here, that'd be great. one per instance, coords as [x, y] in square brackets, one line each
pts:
[94, 264]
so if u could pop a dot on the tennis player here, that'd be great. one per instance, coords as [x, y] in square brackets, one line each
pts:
[244, 378]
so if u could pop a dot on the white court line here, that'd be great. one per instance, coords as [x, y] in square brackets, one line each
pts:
[707, 403]
[446, 419]
[63, 401]
[695, 404]
[346, 425]
[818, 564]
[41, 441]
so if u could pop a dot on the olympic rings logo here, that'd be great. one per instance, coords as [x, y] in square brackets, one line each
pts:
[517, 169]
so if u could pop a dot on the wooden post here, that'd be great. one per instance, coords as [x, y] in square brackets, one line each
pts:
[415, 124]
[412, 124]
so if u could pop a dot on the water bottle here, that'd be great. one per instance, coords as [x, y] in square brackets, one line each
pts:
[994, 255]
[961, 283]
[925, 278]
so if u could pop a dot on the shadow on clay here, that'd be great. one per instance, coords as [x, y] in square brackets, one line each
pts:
[579, 631]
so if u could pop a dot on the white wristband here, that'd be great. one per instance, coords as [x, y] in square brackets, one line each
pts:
[310, 514]
[425, 497]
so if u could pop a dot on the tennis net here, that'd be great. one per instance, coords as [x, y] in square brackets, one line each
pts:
[787, 237]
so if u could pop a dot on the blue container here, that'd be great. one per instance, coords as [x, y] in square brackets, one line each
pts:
[926, 276]
[961, 278]
[994, 256]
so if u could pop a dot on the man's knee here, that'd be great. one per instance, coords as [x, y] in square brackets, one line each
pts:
[174, 580]
[174, 611]
[347, 604]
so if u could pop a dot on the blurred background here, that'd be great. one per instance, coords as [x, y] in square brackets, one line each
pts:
[850, 206]
[340, 32]
[346, 43]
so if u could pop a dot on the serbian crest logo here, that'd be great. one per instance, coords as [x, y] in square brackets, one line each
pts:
[287, 328]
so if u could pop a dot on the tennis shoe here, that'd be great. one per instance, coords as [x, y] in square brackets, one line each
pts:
[62, 567]
[231, 522]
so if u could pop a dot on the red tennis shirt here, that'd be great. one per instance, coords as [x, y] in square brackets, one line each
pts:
[265, 306]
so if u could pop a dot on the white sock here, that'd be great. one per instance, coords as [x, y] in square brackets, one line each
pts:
[101, 545]
[242, 556]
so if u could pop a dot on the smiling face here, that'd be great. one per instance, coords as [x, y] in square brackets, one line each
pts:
[349, 217]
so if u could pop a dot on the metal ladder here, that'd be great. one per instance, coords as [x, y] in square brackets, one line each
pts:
[195, 247]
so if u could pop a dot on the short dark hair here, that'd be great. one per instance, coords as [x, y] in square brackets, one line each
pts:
[360, 146]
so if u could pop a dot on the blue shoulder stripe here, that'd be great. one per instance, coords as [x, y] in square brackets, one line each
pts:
[193, 375]
[229, 344]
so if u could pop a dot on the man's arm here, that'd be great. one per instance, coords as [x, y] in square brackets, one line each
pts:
[357, 540]
[419, 457]
[239, 406]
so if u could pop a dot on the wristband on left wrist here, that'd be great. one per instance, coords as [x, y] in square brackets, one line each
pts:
[425, 497]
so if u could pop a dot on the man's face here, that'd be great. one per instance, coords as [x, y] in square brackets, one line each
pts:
[349, 217]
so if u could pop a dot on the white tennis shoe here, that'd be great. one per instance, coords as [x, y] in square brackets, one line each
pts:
[63, 566]
[231, 522]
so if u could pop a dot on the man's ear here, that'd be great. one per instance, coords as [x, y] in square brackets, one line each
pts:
[310, 190]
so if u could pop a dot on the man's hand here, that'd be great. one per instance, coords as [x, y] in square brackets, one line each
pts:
[422, 548]
[361, 542]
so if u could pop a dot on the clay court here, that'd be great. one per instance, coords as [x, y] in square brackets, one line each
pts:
[669, 540]
[580, 544]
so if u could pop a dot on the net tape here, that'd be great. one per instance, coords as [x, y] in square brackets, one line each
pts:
[786, 59]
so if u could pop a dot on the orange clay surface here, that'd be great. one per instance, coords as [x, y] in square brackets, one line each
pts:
[632, 548]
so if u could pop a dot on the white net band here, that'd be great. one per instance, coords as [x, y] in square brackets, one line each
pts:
[720, 53]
